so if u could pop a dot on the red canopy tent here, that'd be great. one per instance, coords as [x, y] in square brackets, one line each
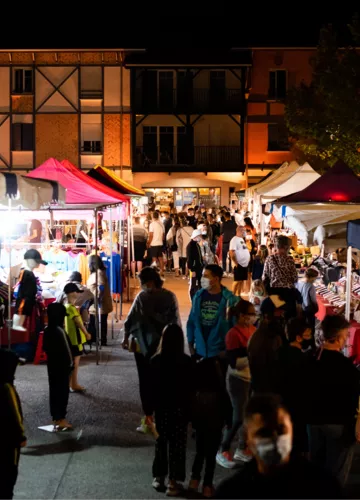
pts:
[80, 188]
[339, 184]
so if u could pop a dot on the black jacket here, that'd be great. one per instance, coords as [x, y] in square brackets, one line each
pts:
[194, 257]
[58, 347]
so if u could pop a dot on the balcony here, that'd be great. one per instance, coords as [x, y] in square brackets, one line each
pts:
[179, 101]
[199, 159]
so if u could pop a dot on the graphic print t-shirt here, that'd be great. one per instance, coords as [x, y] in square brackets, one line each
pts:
[209, 310]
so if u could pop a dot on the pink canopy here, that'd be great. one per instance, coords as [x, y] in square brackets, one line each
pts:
[80, 188]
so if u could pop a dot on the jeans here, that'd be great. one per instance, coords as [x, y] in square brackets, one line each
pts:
[183, 265]
[172, 428]
[239, 392]
[144, 373]
[332, 447]
[207, 445]
[58, 391]
[194, 286]
[225, 251]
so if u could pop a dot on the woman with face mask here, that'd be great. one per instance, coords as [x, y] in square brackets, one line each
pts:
[238, 380]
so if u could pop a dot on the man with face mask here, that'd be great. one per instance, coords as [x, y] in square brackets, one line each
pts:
[208, 322]
[292, 368]
[334, 401]
[274, 472]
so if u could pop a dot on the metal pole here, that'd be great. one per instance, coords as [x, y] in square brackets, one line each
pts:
[348, 283]
[111, 271]
[96, 301]
[9, 320]
[121, 113]
[121, 238]
[128, 257]
[132, 240]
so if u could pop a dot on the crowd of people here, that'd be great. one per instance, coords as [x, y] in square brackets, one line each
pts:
[261, 395]
[254, 374]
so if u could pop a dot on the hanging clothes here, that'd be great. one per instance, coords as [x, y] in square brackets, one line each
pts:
[57, 260]
[84, 267]
[116, 260]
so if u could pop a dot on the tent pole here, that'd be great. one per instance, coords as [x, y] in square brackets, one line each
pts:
[121, 230]
[97, 289]
[262, 225]
[9, 320]
[348, 283]
[111, 272]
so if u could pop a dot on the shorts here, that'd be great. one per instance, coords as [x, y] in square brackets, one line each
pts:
[155, 252]
[75, 351]
[24, 307]
[240, 273]
[139, 250]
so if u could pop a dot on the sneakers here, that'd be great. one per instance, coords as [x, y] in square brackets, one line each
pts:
[194, 485]
[174, 490]
[159, 484]
[208, 492]
[243, 455]
[225, 459]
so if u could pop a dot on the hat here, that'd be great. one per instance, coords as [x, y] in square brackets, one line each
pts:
[34, 254]
[72, 287]
[196, 233]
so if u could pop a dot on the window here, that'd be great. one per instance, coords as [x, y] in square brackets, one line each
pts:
[22, 137]
[278, 137]
[23, 81]
[277, 84]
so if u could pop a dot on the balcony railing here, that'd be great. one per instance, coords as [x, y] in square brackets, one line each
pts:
[199, 158]
[193, 101]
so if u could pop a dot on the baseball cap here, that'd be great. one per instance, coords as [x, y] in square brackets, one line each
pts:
[72, 287]
[34, 254]
[196, 233]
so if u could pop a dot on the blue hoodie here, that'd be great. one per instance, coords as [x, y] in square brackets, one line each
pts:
[216, 340]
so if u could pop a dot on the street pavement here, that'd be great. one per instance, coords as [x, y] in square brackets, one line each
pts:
[104, 457]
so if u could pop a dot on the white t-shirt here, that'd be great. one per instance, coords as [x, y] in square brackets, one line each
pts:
[242, 253]
[158, 233]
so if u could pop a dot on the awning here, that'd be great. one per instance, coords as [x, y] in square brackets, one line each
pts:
[109, 179]
[80, 188]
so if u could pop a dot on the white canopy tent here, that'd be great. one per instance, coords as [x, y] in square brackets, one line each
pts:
[291, 178]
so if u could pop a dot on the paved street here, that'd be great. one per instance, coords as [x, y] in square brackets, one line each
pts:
[104, 457]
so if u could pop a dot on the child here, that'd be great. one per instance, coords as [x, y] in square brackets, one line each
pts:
[76, 332]
[59, 364]
[308, 293]
[171, 399]
[257, 295]
[11, 423]
[259, 262]
[209, 415]
[237, 340]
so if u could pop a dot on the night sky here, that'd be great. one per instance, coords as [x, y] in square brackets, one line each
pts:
[293, 25]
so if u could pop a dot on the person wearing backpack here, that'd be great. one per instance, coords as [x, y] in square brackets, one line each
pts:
[153, 308]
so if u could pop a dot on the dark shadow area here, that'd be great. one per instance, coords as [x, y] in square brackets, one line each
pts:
[70, 445]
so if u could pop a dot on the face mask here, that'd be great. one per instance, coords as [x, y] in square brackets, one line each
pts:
[305, 344]
[273, 452]
[258, 293]
[205, 283]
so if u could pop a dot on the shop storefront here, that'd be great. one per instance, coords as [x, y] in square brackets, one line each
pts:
[167, 198]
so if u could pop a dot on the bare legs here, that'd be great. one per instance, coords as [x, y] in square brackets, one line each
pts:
[74, 384]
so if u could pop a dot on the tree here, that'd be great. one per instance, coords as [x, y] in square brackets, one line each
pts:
[324, 117]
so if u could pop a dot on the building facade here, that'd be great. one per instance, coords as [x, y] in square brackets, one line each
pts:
[184, 126]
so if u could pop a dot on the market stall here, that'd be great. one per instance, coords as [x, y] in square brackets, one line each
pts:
[290, 178]
[83, 195]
